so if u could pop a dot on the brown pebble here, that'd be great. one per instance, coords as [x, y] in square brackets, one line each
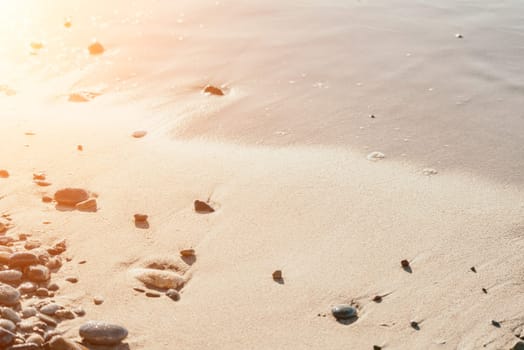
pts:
[139, 134]
[81, 262]
[37, 45]
[213, 90]
[377, 299]
[42, 292]
[71, 279]
[187, 252]
[153, 294]
[140, 290]
[32, 244]
[277, 274]
[4, 174]
[88, 205]
[53, 287]
[65, 314]
[47, 199]
[96, 48]
[173, 294]
[202, 207]
[79, 311]
[485, 290]
[43, 183]
[98, 300]
[80, 147]
[473, 269]
[140, 217]
[39, 176]
[404, 263]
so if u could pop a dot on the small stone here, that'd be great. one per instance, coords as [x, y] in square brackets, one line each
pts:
[213, 90]
[82, 262]
[485, 290]
[54, 263]
[39, 176]
[10, 276]
[50, 309]
[96, 48]
[102, 333]
[4, 174]
[372, 116]
[79, 311]
[473, 269]
[164, 279]
[10, 314]
[68, 23]
[98, 300]
[139, 134]
[80, 147]
[139, 290]
[32, 244]
[173, 294]
[203, 207]
[28, 312]
[140, 217]
[404, 263]
[376, 347]
[43, 183]
[60, 343]
[374, 156]
[458, 36]
[53, 287]
[71, 279]
[429, 171]
[48, 320]
[8, 295]
[518, 346]
[153, 294]
[35, 339]
[65, 314]
[22, 259]
[71, 196]
[187, 252]
[42, 292]
[88, 205]
[27, 287]
[3, 227]
[37, 45]
[344, 311]
[277, 275]
[414, 325]
[6, 337]
[38, 273]
[47, 199]
[377, 299]
[496, 323]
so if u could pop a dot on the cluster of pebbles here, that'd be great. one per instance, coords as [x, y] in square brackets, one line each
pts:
[29, 317]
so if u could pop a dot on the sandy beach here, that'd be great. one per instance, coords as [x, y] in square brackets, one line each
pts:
[349, 136]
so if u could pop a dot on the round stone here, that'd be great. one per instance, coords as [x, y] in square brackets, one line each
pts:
[7, 325]
[50, 309]
[344, 311]
[173, 294]
[139, 134]
[38, 273]
[27, 287]
[96, 48]
[8, 295]
[22, 259]
[102, 333]
[71, 196]
[9, 276]
[10, 314]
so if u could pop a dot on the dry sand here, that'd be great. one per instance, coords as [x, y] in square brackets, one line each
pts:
[282, 159]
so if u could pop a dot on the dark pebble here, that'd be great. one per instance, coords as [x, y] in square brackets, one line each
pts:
[4, 174]
[213, 90]
[102, 333]
[415, 325]
[344, 311]
[71, 196]
[203, 207]
[496, 323]
[153, 294]
[473, 269]
[485, 290]
[22, 259]
[404, 263]
[173, 294]
[377, 299]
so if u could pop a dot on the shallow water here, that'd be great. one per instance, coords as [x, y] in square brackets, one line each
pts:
[299, 72]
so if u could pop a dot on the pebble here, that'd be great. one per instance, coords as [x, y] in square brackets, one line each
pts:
[47, 199]
[10, 315]
[277, 275]
[71, 279]
[8, 295]
[203, 207]
[429, 171]
[71, 196]
[48, 320]
[22, 259]
[43, 183]
[213, 90]
[153, 294]
[96, 48]
[140, 217]
[377, 299]
[7, 325]
[39, 176]
[35, 339]
[65, 314]
[80, 148]
[53, 287]
[140, 290]
[42, 292]
[37, 45]
[98, 300]
[53, 264]
[3, 227]
[173, 294]
[38, 273]
[472, 268]
[32, 244]
[4, 174]
[159, 278]
[518, 346]
[87, 205]
[459, 36]
[27, 287]
[6, 337]
[10, 276]
[60, 343]
[79, 311]
[187, 252]
[50, 309]
[414, 325]
[28, 312]
[344, 311]
[404, 263]
[374, 156]
[102, 333]
[496, 323]
[139, 134]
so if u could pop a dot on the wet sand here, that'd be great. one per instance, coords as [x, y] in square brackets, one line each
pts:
[282, 158]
